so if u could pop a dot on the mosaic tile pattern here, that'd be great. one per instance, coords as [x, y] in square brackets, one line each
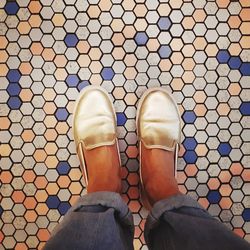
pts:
[50, 50]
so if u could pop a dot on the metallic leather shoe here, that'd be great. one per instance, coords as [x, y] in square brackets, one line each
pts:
[94, 123]
[158, 124]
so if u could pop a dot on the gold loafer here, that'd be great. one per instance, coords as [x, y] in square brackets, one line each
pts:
[158, 124]
[94, 123]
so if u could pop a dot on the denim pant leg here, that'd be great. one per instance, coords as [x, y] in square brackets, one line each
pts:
[98, 221]
[179, 222]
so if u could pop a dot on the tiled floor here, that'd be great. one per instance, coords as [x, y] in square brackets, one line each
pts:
[50, 50]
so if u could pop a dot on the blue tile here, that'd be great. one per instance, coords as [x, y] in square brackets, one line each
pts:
[189, 143]
[234, 62]
[14, 75]
[11, 8]
[121, 119]
[107, 73]
[71, 40]
[246, 214]
[72, 80]
[1, 211]
[214, 197]
[224, 148]
[82, 85]
[141, 38]
[189, 117]
[14, 102]
[63, 207]
[63, 167]
[223, 56]
[164, 23]
[62, 114]
[13, 89]
[245, 69]
[165, 51]
[190, 157]
[52, 201]
[245, 108]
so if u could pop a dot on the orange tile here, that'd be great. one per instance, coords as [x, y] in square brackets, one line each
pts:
[128, 4]
[132, 151]
[75, 188]
[245, 42]
[129, 31]
[48, 55]
[51, 148]
[35, 21]
[49, 94]
[30, 216]
[3, 56]
[21, 246]
[203, 202]
[200, 43]
[105, 5]
[3, 69]
[225, 176]
[73, 199]
[75, 174]
[223, 109]
[118, 53]
[6, 177]
[4, 123]
[40, 155]
[234, 49]
[93, 11]
[234, 88]
[165, 65]
[236, 168]
[83, 60]
[41, 195]
[188, 50]
[42, 209]
[191, 170]
[177, 84]
[41, 246]
[140, 24]
[246, 175]
[51, 161]
[95, 53]
[177, 58]
[199, 96]
[25, 68]
[175, 4]
[26, 95]
[52, 188]
[49, 107]
[43, 234]
[188, 77]
[133, 178]
[83, 47]
[40, 182]
[36, 48]
[181, 151]
[119, 92]
[63, 181]
[35, 7]
[29, 176]
[188, 64]
[213, 183]
[244, 3]
[18, 196]
[225, 190]
[140, 10]
[130, 99]
[201, 150]
[153, 44]
[95, 67]
[30, 203]
[118, 39]
[60, 60]
[211, 50]
[130, 73]
[239, 231]
[133, 192]
[134, 206]
[176, 44]
[58, 20]
[188, 22]
[62, 127]
[50, 121]
[182, 189]
[199, 15]
[245, 14]
[245, 28]
[130, 60]
[225, 203]
[50, 134]
[24, 27]
[95, 79]
[5, 150]
[137, 232]
[164, 9]
[3, 42]
[117, 25]
[234, 22]
[124, 173]
[181, 177]
[200, 110]
[222, 3]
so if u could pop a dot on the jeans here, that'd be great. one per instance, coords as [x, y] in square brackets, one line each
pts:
[101, 221]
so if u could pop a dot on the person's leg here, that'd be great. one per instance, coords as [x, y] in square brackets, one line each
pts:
[176, 220]
[100, 219]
